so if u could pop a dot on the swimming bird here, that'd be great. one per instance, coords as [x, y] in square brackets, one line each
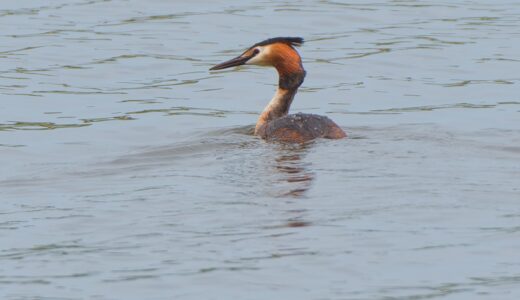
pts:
[274, 123]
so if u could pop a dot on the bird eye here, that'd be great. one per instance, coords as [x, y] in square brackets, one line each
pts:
[256, 51]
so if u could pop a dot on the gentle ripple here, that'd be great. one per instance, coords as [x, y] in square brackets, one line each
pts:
[131, 172]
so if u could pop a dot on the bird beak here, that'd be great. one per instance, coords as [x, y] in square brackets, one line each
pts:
[237, 61]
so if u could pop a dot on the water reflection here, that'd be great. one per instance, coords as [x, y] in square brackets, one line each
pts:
[295, 177]
[293, 170]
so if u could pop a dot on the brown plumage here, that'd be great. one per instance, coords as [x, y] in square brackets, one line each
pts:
[274, 124]
[300, 128]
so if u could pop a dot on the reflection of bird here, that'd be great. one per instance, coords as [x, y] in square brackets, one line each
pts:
[295, 173]
[274, 123]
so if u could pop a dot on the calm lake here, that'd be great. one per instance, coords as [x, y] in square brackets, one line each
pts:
[129, 171]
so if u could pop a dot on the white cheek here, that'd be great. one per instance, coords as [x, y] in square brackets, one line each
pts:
[260, 59]
[257, 60]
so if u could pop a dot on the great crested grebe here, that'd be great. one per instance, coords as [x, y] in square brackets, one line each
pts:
[274, 123]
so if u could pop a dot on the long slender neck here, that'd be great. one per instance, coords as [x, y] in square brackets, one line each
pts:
[291, 75]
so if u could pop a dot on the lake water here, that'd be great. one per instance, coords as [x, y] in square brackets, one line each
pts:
[128, 170]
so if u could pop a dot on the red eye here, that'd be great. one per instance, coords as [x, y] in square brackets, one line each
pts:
[256, 51]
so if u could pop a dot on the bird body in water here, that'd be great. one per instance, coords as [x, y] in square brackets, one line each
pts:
[274, 123]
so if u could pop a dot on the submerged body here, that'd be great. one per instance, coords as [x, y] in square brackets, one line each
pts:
[299, 128]
[274, 124]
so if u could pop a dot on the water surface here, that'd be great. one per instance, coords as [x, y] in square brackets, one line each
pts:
[129, 170]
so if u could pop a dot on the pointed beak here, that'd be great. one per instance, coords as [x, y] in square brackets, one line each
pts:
[237, 61]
